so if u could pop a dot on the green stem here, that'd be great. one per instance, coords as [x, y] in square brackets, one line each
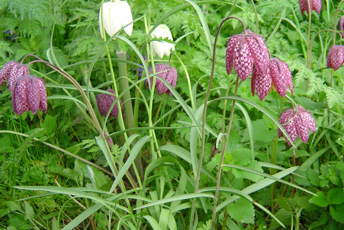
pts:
[205, 113]
[160, 105]
[223, 155]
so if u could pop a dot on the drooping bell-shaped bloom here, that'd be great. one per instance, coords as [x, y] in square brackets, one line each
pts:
[116, 15]
[281, 76]
[244, 50]
[314, 4]
[341, 25]
[29, 94]
[5, 71]
[16, 72]
[277, 73]
[167, 73]
[297, 123]
[105, 101]
[162, 48]
[335, 57]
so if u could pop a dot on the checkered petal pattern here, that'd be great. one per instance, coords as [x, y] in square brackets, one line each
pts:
[167, 73]
[297, 123]
[5, 71]
[281, 76]
[29, 94]
[260, 83]
[16, 72]
[335, 57]
[105, 101]
[244, 50]
[315, 5]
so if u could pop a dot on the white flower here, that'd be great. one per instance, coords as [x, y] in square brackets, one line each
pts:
[116, 15]
[162, 48]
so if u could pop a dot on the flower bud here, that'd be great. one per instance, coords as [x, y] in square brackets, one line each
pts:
[16, 72]
[314, 4]
[105, 101]
[335, 57]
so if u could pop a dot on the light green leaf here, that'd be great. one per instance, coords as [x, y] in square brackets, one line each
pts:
[242, 211]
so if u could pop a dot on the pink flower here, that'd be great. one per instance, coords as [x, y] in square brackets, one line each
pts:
[297, 123]
[314, 4]
[167, 73]
[335, 57]
[5, 71]
[341, 25]
[105, 101]
[244, 50]
[29, 93]
[16, 72]
[278, 73]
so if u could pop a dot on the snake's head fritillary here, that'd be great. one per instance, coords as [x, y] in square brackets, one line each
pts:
[314, 5]
[29, 94]
[244, 50]
[5, 71]
[341, 25]
[16, 72]
[167, 73]
[297, 123]
[335, 57]
[281, 76]
[105, 101]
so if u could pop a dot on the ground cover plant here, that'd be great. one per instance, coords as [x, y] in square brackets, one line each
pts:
[171, 114]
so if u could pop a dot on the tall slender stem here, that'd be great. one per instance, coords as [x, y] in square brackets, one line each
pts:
[223, 155]
[205, 113]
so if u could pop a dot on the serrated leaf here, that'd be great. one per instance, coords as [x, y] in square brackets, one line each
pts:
[242, 211]
[335, 196]
[337, 212]
[241, 156]
[29, 213]
[248, 175]
[319, 200]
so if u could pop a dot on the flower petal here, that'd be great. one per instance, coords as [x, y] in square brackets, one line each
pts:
[243, 62]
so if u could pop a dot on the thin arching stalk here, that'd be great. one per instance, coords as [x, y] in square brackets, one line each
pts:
[205, 112]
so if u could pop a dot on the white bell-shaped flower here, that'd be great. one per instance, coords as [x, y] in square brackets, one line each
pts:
[116, 15]
[162, 48]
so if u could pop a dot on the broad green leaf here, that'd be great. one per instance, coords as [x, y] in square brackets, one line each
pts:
[261, 132]
[337, 212]
[335, 196]
[320, 199]
[242, 211]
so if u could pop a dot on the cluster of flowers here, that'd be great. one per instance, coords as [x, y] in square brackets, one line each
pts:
[28, 91]
[247, 54]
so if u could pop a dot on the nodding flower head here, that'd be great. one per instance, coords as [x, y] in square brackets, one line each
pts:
[244, 50]
[297, 123]
[162, 48]
[116, 14]
[16, 72]
[5, 71]
[277, 73]
[167, 73]
[29, 94]
[341, 25]
[105, 101]
[314, 4]
[335, 57]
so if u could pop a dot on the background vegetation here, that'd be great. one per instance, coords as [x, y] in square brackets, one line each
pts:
[44, 186]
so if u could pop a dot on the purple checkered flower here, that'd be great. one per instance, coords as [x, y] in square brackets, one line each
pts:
[281, 76]
[244, 50]
[29, 94]
[314, 4]
[341, 25]
[16, 72]
[277, 73]
[335, 57]
[297, 123]
[105, 101]
[167, 73]
[5, 71]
